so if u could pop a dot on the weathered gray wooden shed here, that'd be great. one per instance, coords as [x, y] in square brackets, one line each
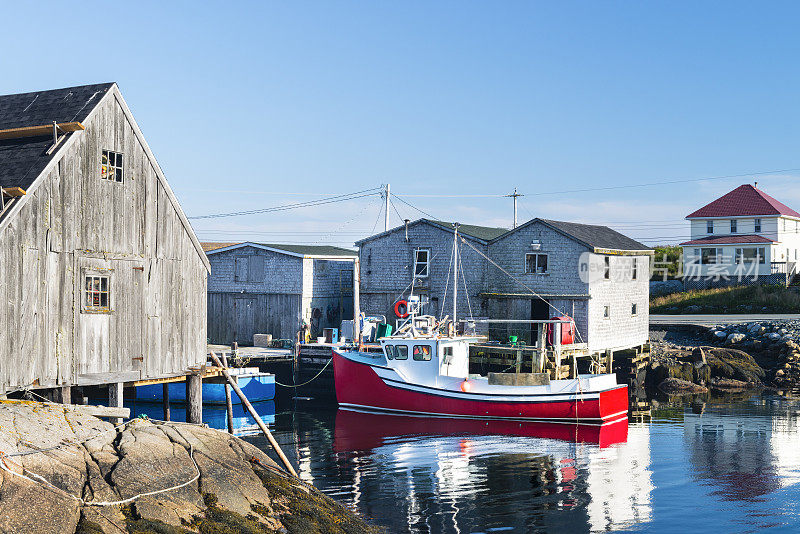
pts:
[589, 272]
[101, 277]
[258, 288]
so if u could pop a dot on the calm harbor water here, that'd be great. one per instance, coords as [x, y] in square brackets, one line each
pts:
[726, 465]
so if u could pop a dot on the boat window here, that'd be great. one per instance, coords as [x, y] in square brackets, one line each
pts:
[389, 351]
[422, 353]
[400, 352]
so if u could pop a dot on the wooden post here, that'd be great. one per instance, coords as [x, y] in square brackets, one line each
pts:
[254, 415]
[65, 395]
[165, 394]
[541, 345]
[357, 301]
[519, 361]
[194, 398]
[115, 399]
[228, 401]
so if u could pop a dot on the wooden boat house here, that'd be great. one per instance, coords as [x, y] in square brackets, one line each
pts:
[103, 280]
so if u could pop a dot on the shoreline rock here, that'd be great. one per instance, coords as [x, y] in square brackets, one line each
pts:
[236, 486]
[676, 386]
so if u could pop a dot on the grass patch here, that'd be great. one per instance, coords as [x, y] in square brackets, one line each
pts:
[740, 299]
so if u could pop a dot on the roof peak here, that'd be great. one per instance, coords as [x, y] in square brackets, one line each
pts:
[745, 200]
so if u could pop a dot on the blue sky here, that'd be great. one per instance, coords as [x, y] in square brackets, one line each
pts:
[252, 105]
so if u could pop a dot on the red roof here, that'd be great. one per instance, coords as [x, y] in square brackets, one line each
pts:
[729, 240]
[744, 201]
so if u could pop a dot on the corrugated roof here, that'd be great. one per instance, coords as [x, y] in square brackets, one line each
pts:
[595, 236]
[23, 159]
[744, 201]
[729, 240]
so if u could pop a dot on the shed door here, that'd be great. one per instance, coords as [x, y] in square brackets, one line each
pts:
[540, 311]
[244, 312]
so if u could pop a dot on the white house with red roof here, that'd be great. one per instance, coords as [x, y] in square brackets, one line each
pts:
[743, 237]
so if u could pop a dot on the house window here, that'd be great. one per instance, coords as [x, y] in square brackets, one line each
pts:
[750, 255]
[758, 226]
[733, 226]
[607, 265]
[421, 262]
[709, 227]
[697, 255]
[535, 263]
[633, 309]
[606, 312]
[711, 256]
[96, 294]
[400, 352]
[111, 167]
[634, 273]
[422, 353]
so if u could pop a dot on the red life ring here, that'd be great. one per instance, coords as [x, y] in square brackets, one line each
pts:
[397, 307]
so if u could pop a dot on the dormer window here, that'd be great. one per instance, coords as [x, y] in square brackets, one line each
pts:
[111, 167]
[733, 226]
[709, 227]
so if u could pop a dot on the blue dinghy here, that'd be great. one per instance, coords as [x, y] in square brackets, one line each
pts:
[256, 386]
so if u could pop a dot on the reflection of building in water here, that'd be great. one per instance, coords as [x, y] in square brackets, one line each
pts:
[460, 482]
[620, 483]
[747, 454]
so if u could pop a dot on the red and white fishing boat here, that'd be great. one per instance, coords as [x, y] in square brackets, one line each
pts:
[426, 372]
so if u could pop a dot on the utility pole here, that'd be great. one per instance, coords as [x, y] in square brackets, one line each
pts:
[515, 195]
[386, 210]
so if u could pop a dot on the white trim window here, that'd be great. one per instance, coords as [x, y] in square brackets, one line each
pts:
[96, 293]
[607, 268]
[750, 255]
[536, 263]
[757, 226]
[733, 226]
[634, 310]
[606, 312]
[634, 268]
[422, 262]
[111, 166]
[709, 227]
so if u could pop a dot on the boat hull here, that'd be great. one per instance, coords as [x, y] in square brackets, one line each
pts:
[256, 388]
[359, 386]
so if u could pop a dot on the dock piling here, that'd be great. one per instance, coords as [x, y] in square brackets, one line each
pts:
[194, 398]
[228, 401]
[115, 399]
[165, 395]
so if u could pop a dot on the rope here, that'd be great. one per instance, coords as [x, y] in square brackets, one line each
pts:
[33, 477]
[307, 382]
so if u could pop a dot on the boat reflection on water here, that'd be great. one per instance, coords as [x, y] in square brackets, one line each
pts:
[213, 415]
[363, 430]
[459, 475]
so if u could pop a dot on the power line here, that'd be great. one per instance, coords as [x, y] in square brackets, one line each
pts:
[328, 200]
[414, 207]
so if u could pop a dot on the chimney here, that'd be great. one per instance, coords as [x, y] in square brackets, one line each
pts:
[755, 185]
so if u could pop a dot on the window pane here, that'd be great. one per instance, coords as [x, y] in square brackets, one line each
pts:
[401, 352]
[389, 351]
[422, 352]
[104, 300]
[541, 263]
[530, 263]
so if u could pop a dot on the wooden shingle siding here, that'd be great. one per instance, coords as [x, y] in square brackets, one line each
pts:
[72, 221]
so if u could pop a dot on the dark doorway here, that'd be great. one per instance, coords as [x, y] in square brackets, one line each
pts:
[540, 311]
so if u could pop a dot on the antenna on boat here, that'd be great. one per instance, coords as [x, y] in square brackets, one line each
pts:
[455, 271]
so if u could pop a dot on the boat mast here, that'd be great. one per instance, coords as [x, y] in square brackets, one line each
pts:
[455, 272]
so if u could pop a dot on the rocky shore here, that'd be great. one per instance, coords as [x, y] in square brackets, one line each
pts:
[63, 471]
[726, 357]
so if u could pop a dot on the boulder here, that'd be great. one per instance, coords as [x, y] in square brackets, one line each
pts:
[692, 309]
[729, 384]
[680, 387]
[735, 338]
[212, 481]
[721, 335]
[732, 363]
